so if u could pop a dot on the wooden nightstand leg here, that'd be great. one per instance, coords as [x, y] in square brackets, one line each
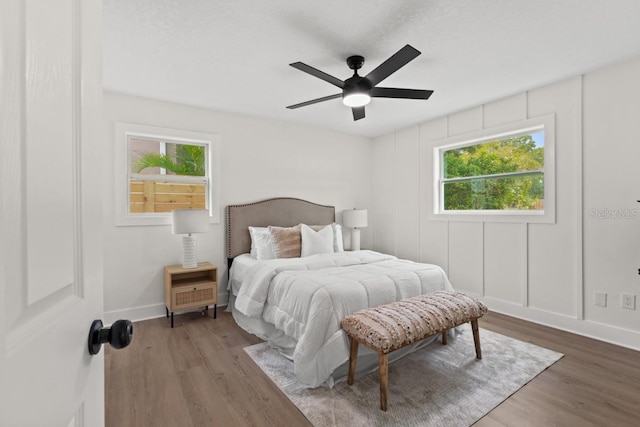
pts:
[167, 308]
[172, 319]
[215, 307]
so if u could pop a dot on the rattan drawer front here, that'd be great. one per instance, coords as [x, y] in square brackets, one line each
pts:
[194, 296]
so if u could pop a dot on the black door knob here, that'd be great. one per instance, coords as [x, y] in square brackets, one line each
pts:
[119, 335]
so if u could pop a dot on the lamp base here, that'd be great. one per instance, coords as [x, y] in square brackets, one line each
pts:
[189, 258]
[355, 239]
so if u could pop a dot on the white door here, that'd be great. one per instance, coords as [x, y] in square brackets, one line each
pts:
[51, 145]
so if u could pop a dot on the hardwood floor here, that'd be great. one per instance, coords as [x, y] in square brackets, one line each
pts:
[198, 374]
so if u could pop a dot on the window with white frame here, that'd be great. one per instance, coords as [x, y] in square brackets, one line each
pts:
[497, 173]
[159, 170]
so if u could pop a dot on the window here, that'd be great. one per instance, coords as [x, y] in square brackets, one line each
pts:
[164, 175]
[497, 173]
[165, 169]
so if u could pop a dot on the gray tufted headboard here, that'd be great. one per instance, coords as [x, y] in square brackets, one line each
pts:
[281, 212]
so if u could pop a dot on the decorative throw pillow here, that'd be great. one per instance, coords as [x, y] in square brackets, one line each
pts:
[338, 244]
[316, 242]
[286, 242]
[260, 243]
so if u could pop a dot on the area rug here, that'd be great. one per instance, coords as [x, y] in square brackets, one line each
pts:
[439, 385]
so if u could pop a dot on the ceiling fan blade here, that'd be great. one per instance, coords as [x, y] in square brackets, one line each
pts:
[315, 101]
[390, 92]
[393, 64]
[358, 113]
[319, 74]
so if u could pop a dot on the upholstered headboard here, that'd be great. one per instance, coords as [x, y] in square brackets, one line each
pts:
[281, 212]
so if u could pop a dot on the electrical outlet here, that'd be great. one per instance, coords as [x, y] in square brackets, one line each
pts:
[600, 299]
[628, 301]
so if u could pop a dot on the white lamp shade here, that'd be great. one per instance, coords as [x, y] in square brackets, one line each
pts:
[354, 218]
[187, 221]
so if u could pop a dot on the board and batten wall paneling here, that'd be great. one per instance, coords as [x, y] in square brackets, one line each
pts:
[466, 256]
[407, 183]
[553, 248]
[612, 187]
[540, 271]
[494, 259]
[465, 121]
[507, 110]
[504, 261]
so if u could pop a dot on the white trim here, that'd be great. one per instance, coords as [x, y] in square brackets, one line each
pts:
[135, 314]
[146, 312]
[395, 193]
[521, 127]
[525, 264]
[579, 212]
[121, 188]
[484, 256]
[611, 334]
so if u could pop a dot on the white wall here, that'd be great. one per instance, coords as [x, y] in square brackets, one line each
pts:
[260, 159]
[546, 273]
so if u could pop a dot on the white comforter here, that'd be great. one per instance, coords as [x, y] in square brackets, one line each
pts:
[307, 297]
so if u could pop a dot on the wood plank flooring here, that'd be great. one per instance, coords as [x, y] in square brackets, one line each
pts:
[198, 374]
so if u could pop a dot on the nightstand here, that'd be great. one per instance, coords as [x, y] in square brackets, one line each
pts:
[186, 288]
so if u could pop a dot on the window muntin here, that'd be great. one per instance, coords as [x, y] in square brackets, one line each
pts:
[502, 174]
[477, 190]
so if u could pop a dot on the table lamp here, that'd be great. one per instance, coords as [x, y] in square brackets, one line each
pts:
[355, 219]
[189, 221]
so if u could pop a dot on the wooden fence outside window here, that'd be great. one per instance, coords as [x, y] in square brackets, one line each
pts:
[164, 196]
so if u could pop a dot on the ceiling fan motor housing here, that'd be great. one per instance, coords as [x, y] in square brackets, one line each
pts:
[356, 84]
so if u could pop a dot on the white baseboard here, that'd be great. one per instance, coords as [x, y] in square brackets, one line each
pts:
[599, 331]
[137, 314]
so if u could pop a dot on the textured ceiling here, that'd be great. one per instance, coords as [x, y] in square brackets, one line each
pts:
[233, 55]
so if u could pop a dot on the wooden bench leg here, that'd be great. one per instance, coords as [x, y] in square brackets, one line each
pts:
[476, 338]
[384, 377]
[444, 337]
[352, 361]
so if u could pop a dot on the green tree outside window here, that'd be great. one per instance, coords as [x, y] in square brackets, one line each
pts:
[505, 174]
[187, 160]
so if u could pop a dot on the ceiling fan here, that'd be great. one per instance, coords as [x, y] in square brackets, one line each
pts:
[357, 91]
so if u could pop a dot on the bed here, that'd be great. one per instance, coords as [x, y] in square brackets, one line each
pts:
[296, 303]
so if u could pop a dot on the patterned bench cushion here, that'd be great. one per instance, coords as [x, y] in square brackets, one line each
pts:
[391, 326]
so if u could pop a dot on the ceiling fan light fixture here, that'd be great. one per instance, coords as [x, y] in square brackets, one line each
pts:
[356, 99]
[357, 91]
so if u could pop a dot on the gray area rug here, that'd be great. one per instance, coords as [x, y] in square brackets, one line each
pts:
[439, 385]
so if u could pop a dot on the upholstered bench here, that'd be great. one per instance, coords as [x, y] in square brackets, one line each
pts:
[392, 326]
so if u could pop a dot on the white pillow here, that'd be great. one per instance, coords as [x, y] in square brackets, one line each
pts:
[338, 244]
[316, 242]
[260, 243]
